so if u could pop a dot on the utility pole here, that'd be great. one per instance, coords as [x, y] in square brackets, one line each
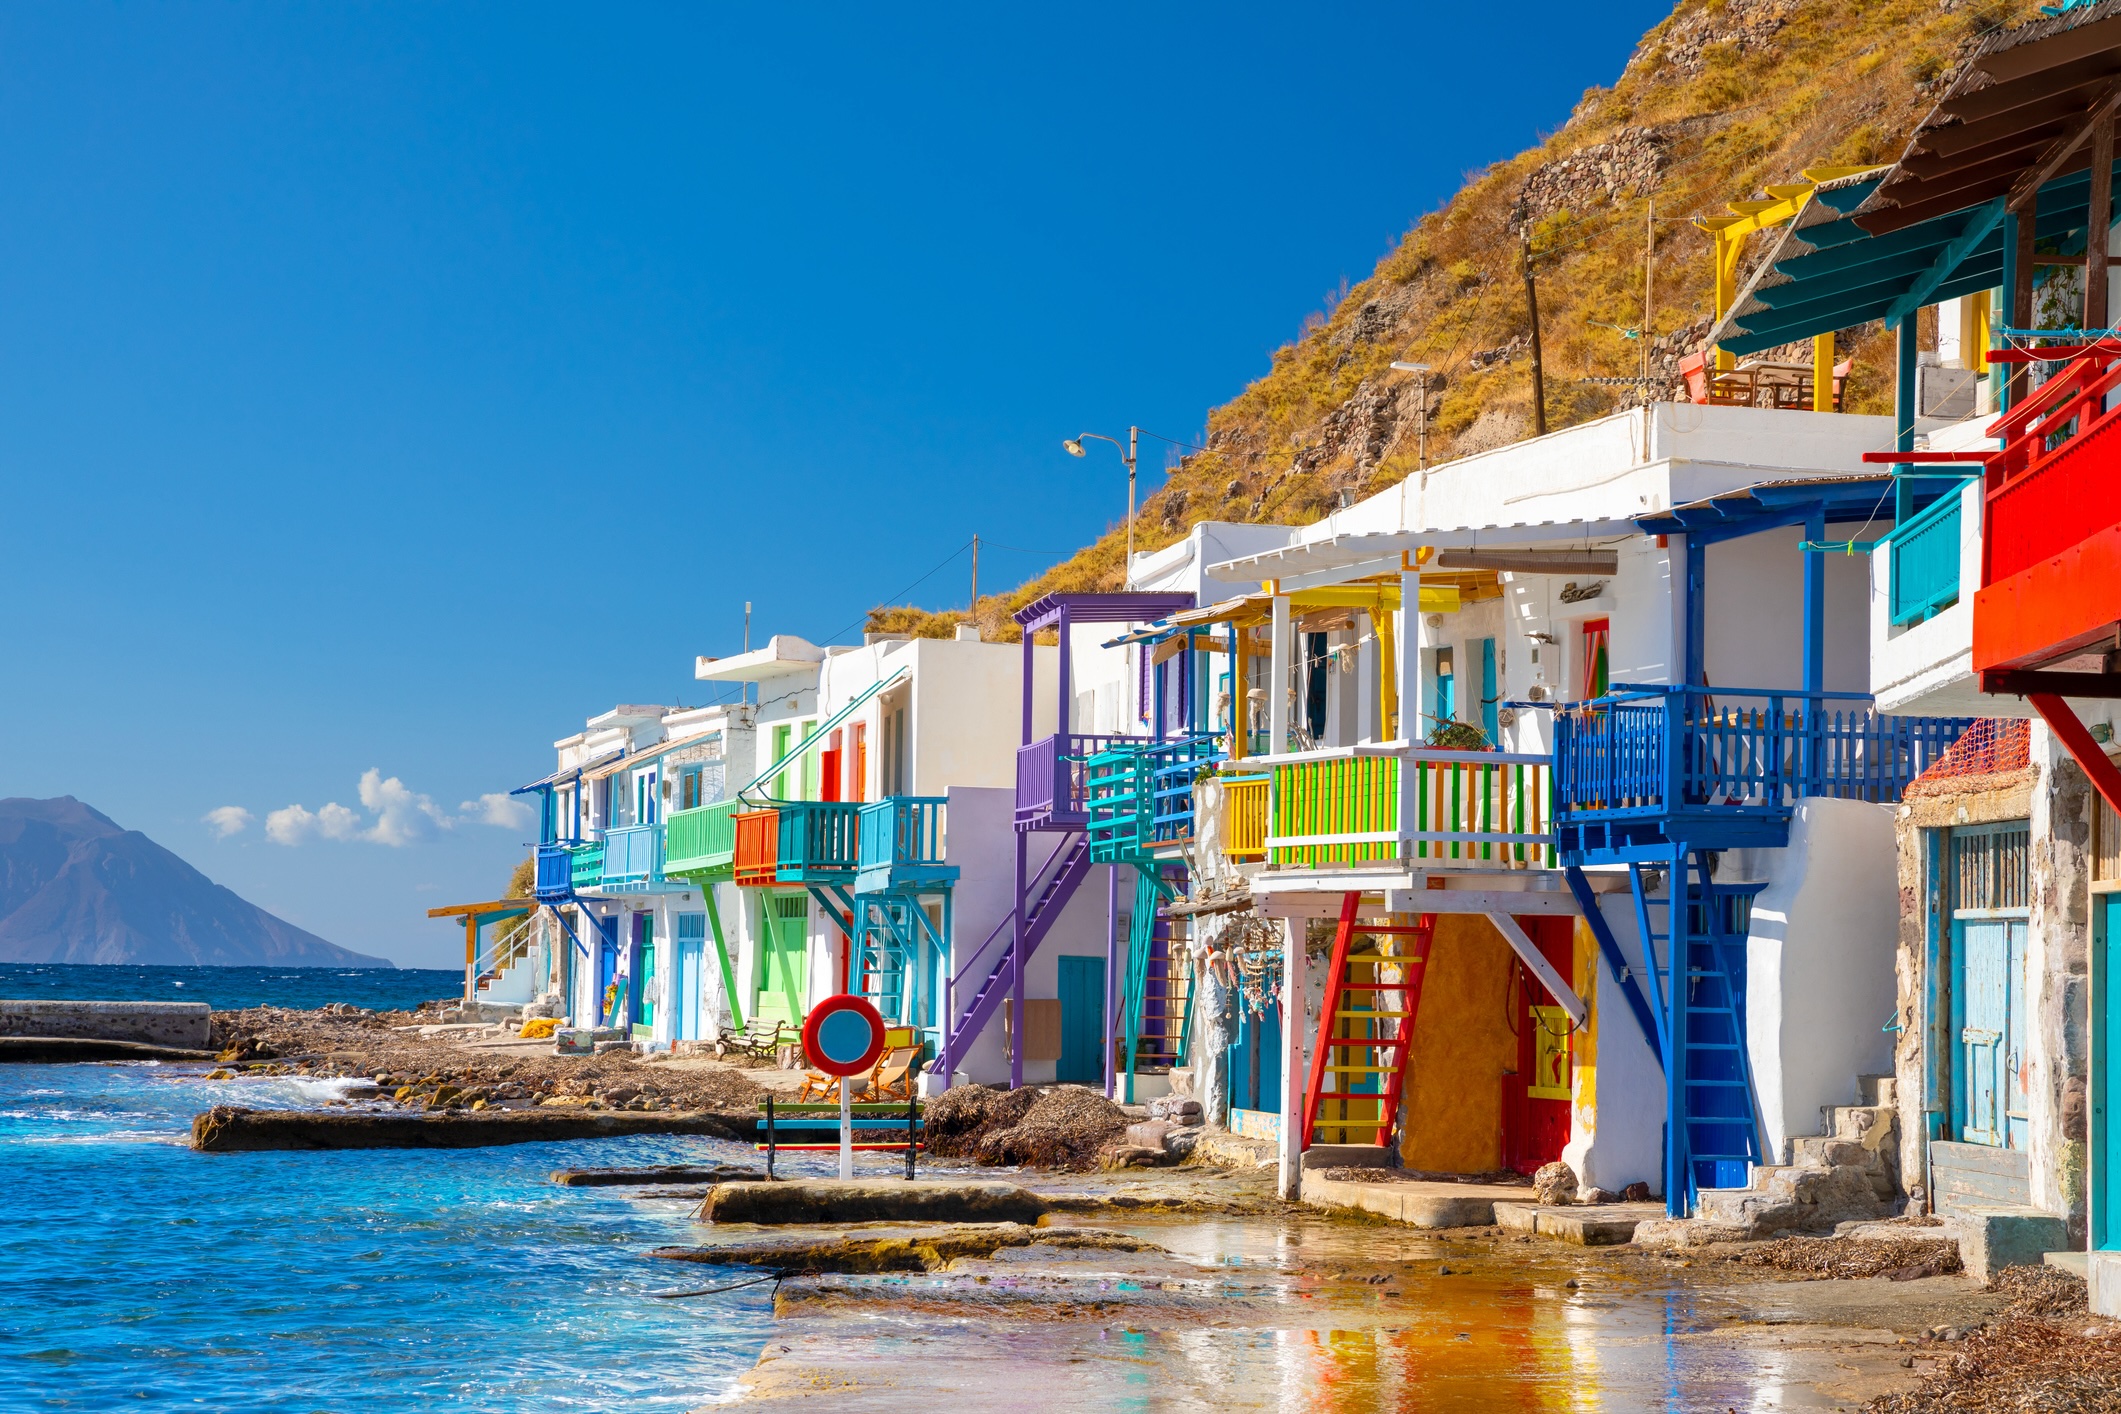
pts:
[975, 581]
[1126, 579]
[1539, 373]
[1649, 281]
[744, 689]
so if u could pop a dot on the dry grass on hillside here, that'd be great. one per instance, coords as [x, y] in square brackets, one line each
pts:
[1722, 98]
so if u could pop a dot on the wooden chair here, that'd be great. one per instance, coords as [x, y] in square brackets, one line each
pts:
[891, 1077]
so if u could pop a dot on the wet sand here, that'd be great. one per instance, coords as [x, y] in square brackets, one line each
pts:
[1261, 1307]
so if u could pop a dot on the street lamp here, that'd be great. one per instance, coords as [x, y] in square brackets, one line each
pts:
[1421, 370]
[1074, 447]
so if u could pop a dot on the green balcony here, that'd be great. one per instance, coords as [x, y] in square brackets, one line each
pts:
[701, 840]
[589, 866]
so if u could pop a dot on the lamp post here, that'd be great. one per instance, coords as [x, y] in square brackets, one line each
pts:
[1074, 447]
[1421, 371]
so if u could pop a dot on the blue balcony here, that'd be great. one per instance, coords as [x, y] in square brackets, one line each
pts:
[555, 876]
[814, 842]
[1650, 768]
[901, 846]
[1925, 562]
[633, 861]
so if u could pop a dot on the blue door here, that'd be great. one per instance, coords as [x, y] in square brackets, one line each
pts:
[691, 979]
[1990, 1093]
[1082, 1002]
[2106, 1048]
[1255, 1061]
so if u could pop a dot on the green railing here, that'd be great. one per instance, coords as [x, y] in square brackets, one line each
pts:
[701, 840]
[589, 866]
[1925, 564]
[1470, 808]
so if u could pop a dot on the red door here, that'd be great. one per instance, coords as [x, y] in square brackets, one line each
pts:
[1536, 1100]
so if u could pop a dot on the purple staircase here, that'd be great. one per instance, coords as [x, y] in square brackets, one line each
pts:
[1056, 882]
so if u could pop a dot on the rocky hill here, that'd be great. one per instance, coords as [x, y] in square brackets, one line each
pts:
[1721, 99]
[77, 887]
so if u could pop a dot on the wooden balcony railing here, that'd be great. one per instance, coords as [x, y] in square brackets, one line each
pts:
[1925, 562]
[2053, 484]
[1469, 809]
[633, 856]
[555, 877]
[899, 833]
[816, 841]
[1050, 777]
[1245, 817]
[758, 855]
[701, 840]
[588, 865]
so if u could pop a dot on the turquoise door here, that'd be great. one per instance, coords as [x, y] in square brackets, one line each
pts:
[1990, 1095]
[1489, 697]
[691, 975]
[1082, 1001]
[2106, 1048]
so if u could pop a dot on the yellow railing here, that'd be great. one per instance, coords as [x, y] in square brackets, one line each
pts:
[1245, 817]
[1469, 808]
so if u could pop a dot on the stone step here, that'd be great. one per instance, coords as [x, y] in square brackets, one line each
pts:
[1878, 1090]
[1825, 1151]
[1859, 1122]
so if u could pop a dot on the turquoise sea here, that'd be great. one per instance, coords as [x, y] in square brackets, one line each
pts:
[231, 988]
[136, 1274]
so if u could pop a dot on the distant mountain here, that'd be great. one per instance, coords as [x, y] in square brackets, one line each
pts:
[77, 887]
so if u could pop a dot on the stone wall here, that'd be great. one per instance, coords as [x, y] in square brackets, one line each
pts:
[181, 1024]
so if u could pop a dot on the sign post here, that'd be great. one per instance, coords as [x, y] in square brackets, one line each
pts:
[843, 1036]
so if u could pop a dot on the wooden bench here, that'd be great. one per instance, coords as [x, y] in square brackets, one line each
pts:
[760, 1038]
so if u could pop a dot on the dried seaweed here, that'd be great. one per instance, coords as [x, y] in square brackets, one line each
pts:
[1901, 1258]
[2042, 1354]
[1061, 1126]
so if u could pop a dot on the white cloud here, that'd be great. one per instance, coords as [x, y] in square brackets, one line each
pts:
[297, 824]
[402, 814]
[226, 820]
[496, 808]
[397, 815]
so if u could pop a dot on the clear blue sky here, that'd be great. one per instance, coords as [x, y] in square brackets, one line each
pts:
[390, 387]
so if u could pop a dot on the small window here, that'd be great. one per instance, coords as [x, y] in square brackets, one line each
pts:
[1992, 867]
[692, 792]
[1597, 644]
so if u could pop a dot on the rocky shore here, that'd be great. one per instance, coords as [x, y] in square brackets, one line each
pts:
[414, 1063]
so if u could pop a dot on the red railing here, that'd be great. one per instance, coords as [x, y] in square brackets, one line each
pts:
[2054, 484]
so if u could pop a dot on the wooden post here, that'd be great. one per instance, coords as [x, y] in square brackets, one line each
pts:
[471, 957]
[1279, 653]
[2098, 221]
[1112, 966]
[1823, 373]
[1904, 410]
[1240, 708]
[1294, 1067]
[2021, 290]
[1539, 377]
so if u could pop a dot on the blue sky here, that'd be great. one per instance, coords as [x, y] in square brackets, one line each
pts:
[387, 388]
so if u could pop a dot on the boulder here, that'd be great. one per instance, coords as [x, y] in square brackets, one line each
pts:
[1554, 1186]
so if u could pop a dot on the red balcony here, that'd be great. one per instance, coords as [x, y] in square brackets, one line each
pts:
[2051, 530]
[758, 849]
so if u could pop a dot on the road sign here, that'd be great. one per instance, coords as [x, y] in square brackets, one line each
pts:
[843, 1036]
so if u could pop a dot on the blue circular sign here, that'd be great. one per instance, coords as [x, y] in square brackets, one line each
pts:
[843, 1035]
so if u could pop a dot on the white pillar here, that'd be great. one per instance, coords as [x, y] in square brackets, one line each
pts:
[1412, 636]
[1295, 1069]
[1278, 678]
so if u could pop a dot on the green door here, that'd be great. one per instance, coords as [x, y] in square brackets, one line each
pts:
[2106, 1049]
[781, 974]
[644, 975]
[1082, 1003]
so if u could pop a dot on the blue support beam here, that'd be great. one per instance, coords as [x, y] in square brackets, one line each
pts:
[1697, 612]
[1615, 959]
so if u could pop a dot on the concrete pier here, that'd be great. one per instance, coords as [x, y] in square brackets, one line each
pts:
[179, 1024]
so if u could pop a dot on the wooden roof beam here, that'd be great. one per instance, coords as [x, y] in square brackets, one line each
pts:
[2027, 187]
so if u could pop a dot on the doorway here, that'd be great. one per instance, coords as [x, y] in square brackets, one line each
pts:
[642, 971]
[786, 938]
[2106, 1045]
[1537, 1098]
[691, 978]
[1082, 1009]
[1990, 881]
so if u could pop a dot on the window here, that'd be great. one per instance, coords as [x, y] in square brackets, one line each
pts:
[692, 787]
[1597, 640]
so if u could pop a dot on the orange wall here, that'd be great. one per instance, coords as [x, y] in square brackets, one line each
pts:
[1462, 1045]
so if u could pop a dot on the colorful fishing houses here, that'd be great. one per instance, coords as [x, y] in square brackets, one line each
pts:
[1715, 796]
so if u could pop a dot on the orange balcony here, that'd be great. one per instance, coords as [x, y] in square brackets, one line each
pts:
[758, 848]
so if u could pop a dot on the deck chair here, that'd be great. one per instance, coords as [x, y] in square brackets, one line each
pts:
[896, 1066]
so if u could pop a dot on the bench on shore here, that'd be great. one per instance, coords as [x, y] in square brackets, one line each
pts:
[783, 1114]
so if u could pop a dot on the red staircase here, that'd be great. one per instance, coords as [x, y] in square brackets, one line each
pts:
[1366, 1030]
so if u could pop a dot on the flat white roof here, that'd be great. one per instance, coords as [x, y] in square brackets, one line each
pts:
[784, 655]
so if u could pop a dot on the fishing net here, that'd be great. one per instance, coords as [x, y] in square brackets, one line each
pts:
[1992, 746]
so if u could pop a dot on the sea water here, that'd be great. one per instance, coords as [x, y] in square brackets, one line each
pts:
[230, 988]
[137, 1274]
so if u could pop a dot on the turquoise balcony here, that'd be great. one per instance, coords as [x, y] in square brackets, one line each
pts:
[815, 842]
[701, 841]
[901, 846]
[1925, 562]
[588, 866]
